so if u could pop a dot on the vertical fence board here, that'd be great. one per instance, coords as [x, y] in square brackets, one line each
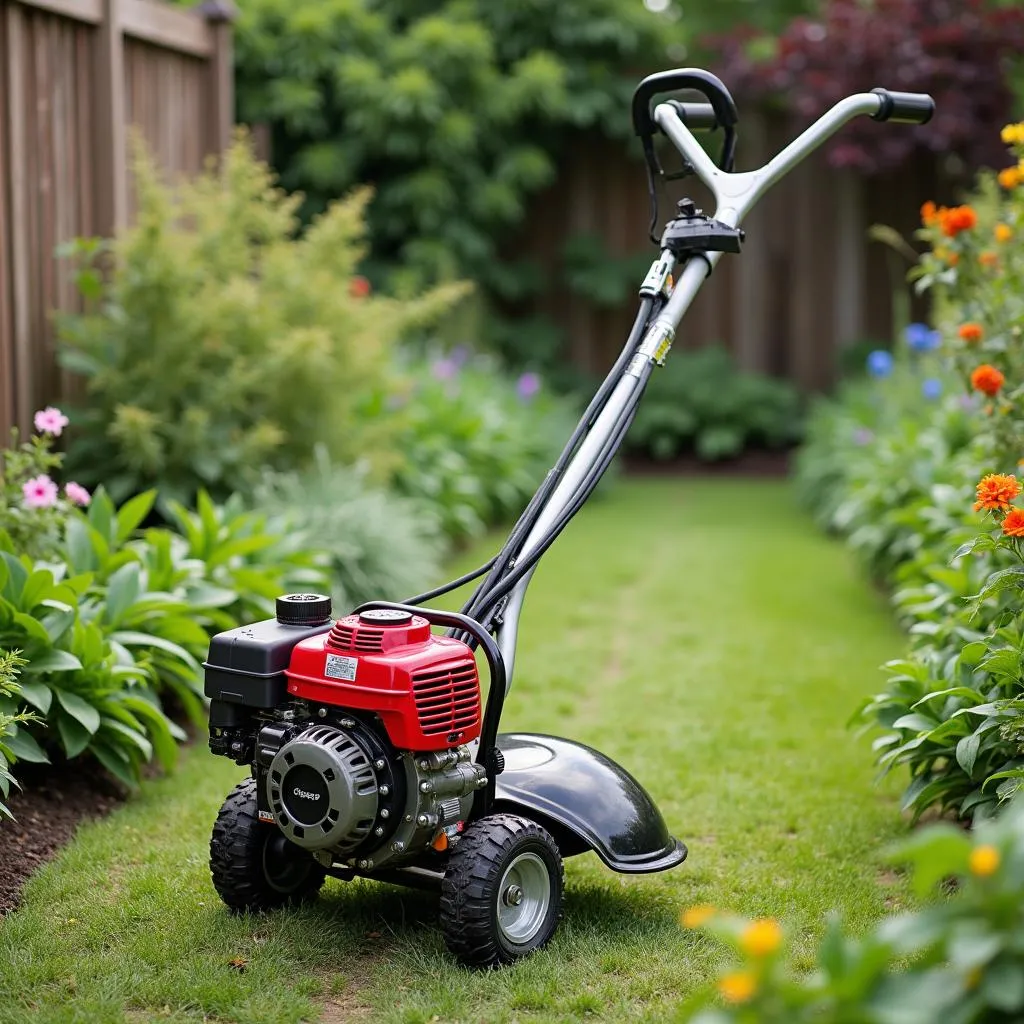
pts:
[72, 80]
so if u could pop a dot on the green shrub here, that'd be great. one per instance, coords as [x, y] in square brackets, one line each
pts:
[700, 401]
[378, 545]
[457, 113]
[959, 959]
[469, 441]
[224, 343]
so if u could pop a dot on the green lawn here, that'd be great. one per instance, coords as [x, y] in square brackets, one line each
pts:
[701, 633]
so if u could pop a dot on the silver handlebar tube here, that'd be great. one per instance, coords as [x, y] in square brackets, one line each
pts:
[735, 195]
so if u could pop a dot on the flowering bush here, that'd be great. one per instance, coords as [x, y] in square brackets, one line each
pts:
[959, 959]
[470, 443]
[912, 498]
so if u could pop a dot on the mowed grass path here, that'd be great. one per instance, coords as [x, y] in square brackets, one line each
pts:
[700, 632]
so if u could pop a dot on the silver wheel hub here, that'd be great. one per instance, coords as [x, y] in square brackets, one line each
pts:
[525, 898]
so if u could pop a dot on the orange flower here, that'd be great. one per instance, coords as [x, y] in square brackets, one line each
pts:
[988, 379]
[1009, 177]
[957, 219]
[1013, 526]
[1003, 232]
[761, 937]
[984, 860]
[988, 259]
[696, 917]
[738, 986]
[947, 255]
[996, 491]
[971, 332]
[359, 287]
[929, 214]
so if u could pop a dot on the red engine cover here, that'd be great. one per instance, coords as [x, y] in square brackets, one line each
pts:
[425, 688]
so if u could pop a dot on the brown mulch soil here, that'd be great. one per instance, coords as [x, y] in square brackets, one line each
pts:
[52, 802]
[750, 463]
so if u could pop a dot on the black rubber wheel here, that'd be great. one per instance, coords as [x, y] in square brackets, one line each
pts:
[255, 866]
[501, 897]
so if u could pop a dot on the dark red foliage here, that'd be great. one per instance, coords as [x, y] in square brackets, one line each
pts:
[957, 50]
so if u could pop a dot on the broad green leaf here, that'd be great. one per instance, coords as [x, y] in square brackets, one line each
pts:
[39, 695]
[130, 638]
[936, 853]
[24, 747]
[32, 627]
[82, 711]
[117, 762]
[73, 734]
[54, 660]
[123, 589]
[79, 545]
[967, 752]
[131, 514]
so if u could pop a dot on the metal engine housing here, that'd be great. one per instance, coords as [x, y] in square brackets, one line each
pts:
[322, 789]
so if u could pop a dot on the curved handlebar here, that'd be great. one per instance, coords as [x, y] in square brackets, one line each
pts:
[702, 81]
[904, 107]
[696, 116]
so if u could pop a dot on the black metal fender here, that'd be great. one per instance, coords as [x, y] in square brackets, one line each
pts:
[586, 801]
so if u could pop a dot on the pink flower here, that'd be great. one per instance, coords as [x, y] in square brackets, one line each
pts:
[39, 492]
[527, 386]
[50, 421]
[77, 493]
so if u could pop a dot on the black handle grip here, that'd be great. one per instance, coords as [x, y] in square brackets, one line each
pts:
[904, 107]
[696, 116]
[672, 81]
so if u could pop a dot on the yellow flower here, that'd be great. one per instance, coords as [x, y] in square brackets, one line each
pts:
[984, 861]
[698, 916]
[1013, 134]
[761, 937]
[738, 986]
[1003, 232]
[1009, 177]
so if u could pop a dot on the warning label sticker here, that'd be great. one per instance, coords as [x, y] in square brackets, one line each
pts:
[339, 667]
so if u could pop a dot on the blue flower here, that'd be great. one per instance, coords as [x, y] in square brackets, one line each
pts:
[931, 388]
[921, 338]
[880, 363]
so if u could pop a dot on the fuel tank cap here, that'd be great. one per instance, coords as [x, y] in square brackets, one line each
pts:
[303, 609]
[385, 617]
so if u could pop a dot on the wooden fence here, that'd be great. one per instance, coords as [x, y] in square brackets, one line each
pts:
[808, 283]
[74, 75]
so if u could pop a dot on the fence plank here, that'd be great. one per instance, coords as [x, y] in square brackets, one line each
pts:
[88, 11]
[166, 26]
[109, 123]
[6, 325]
[19, 156]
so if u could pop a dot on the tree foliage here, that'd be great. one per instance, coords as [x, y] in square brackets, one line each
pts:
[961, 51]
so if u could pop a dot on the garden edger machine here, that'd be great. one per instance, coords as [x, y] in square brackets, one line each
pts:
[371, 752]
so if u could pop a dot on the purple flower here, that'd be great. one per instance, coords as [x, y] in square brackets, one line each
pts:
[880, 363]
[968, 403]
[444, 369]
[527, 386]
[921, 338]
[931, 388]
[460, 355]
[39, 492]
[76, 493]
[862, 436]
[50, 421]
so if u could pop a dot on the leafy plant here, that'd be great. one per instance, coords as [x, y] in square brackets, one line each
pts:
[10, 663]
[958, 959]
[896, 471]
[701, 401]
[222, 343]
[378, 545]
[470, 442]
